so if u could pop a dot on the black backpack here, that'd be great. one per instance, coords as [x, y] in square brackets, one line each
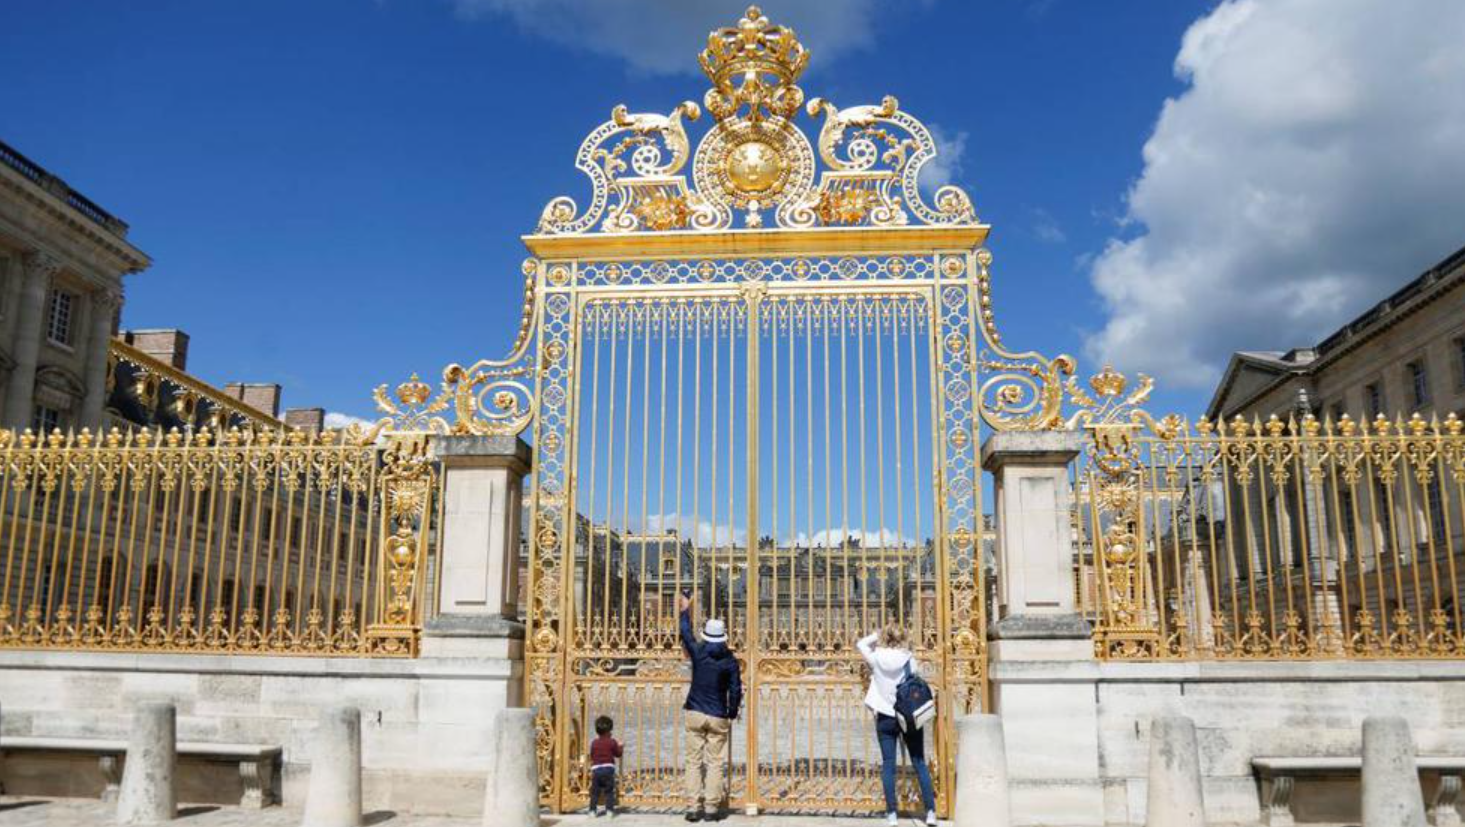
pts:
[915, 703]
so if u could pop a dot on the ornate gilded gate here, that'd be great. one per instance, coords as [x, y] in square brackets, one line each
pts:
[782, 418]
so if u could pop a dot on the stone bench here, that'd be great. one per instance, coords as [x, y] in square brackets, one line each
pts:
[258, 764]
[1278, 773]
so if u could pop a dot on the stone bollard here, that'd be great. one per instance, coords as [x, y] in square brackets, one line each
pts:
[148, 795]
[1175, 798]
[981, 773]
[1391, 793]
[333, 798]
[512, 797]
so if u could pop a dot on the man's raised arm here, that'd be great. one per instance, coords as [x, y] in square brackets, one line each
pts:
[684, 608]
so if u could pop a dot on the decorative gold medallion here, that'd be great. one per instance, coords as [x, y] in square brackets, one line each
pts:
[753, 166]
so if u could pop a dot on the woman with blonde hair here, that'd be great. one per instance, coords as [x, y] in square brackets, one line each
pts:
[889, 655]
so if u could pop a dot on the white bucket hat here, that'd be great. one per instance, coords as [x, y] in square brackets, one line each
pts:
[715, 631]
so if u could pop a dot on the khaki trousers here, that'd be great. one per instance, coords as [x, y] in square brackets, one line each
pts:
[706, 750]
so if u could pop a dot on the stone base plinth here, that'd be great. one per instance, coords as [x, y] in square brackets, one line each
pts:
[425, 722]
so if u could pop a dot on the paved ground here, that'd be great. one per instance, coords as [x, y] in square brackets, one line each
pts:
[72, 812]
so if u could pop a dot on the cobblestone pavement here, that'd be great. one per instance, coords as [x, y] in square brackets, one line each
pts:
[72, 812]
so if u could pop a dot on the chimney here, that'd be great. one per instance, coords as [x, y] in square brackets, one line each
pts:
[263, 396]
[170, 346]
[311, 420]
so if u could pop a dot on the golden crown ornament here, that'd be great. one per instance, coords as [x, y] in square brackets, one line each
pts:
[754, 64]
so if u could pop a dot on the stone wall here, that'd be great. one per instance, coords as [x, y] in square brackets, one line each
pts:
[425, 722]
[1241, 711]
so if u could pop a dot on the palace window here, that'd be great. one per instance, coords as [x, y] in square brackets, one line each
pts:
[1373, 395]
[1337, 414]
[60, 317]
[45, 420]
[1460, 362]
[1383, 516]
[1436, 504]
[1419, 383]
[1346, 521]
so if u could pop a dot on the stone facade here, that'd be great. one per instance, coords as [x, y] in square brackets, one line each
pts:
[62, 265]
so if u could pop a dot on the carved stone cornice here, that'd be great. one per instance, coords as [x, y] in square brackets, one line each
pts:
[91, 242]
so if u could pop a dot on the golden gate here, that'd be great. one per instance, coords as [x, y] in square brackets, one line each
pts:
[762, 386]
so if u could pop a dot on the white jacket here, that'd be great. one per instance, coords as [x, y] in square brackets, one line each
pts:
[887, 668]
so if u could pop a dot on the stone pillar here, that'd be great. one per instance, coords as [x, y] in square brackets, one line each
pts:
[981, 773]
[511, 798]
[148, 795]
[104, 304]
[1174, 797]
[37, 270]
[1035, 549]
[1391, 793]
[483, 494]
[1041, 657]
[333, 798]
[477, 603]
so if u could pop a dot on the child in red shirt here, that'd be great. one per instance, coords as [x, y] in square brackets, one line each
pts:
[604, 752]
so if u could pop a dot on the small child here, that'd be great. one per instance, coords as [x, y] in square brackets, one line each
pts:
[604, 752]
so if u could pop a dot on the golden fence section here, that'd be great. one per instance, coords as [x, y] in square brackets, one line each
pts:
[1301, 539]
[248, 542]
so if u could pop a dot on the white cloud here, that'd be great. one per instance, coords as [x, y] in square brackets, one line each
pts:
[1315, 162]
[705, 534]
[946, 167]
[835, 537]
[336, 419]
[702, 532]
[663, 37]
[1045, 227]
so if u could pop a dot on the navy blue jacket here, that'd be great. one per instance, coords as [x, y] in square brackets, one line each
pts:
[717, 685]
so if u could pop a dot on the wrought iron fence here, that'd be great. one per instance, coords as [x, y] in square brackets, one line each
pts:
[249, 542]
[1302, 539]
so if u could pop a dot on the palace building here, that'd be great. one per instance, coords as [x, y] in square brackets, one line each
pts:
[62, 264]
[1404, 355]
[63, 361]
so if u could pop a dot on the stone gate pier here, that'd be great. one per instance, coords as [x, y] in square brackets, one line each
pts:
[425, 720]
[1078, 727]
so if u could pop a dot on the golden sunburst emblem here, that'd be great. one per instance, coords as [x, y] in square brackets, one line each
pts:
[754, 166]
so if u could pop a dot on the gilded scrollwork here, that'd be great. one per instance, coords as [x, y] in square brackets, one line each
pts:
[1016, 391]
[885, 150]
[657, 146]
[754, 159]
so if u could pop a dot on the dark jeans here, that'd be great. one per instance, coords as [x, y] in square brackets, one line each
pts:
[603, 786]
[887, 729]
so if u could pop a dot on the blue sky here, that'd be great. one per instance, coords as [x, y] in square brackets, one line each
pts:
[332, 190]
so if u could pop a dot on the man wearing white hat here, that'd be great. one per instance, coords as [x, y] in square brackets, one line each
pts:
[712, 705]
